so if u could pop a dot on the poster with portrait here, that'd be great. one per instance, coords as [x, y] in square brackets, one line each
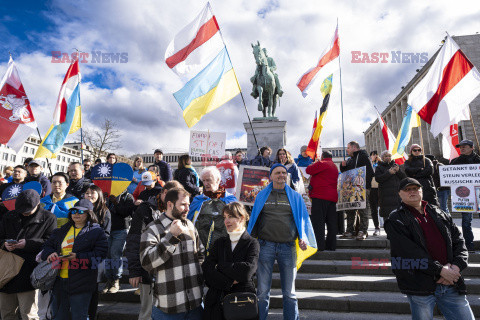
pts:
[251, 180]
[463, 198]
[352, 189]
[463, 181]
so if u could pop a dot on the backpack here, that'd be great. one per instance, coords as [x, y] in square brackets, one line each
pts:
[209, 224]
[44, 275]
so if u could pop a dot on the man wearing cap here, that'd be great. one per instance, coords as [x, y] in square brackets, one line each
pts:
[303, 159]
[152, 189]
[428, 254]
[279, 218]
[165, 170]
[467, 156]
[35, 174]
[78, 182]
[23, 232]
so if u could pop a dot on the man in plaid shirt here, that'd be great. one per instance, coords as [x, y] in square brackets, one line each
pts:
[171, 250]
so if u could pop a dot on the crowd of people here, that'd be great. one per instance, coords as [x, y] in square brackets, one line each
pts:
[189, 243]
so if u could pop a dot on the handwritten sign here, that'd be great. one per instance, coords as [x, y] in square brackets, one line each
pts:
[211, 143]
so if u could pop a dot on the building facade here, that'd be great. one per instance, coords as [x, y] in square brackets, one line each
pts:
[393, 114]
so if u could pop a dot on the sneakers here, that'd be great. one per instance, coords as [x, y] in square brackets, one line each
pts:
[115, 287]
[362, 235]
[347, 235]
[377, 232]
[108, 285]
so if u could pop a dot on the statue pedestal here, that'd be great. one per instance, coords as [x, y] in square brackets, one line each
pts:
[269, 132]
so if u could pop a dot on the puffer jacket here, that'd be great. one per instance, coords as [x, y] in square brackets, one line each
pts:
[408, 242]
[388, 184]
[414, 168]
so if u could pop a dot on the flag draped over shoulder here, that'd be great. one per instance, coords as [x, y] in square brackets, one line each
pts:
[326, 89]
[200, 58]
[410, 120]
[328, 64]
[67, 115]
[16, 116]
[445, 92]
[389, 139]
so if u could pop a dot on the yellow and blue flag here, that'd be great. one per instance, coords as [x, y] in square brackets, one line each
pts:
[410, 120]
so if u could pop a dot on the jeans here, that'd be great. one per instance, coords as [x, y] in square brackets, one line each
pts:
[195, 314]
[116, 244]
[286, 256]
[443, 196]
[452, 305]
[66, 306]
[467, 229]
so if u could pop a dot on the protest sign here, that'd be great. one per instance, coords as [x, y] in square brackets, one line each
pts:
[463, 181]
[113, 179]
[352, 190]
[251, 180]
[10, 194]
[477, 196]
[306, 182]
[207, 143]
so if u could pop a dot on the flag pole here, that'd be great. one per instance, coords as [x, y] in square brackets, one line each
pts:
[48, 162]
[473, 126]
[236, 79]
[341, 102]
[421, 142]
[81, 129]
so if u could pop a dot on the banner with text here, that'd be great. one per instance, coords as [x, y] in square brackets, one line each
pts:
[352, 190]
[251, 180]
[204, 143]
[463, 181]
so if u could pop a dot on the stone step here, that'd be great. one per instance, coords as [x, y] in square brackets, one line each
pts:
[458, 215]
[308, 281]
[129, 311]
[356, 301]
[347, 267]
[380, 242]
[367, 253]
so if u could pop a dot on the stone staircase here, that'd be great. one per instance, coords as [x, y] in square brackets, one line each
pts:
[328, 287]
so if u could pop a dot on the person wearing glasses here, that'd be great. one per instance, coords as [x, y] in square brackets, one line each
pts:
[79, 245]
[421, 168]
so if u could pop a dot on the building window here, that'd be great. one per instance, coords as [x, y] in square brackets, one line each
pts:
[57, 167]
[58, 158]
[5, 156]
[32, 151]
[63, 168]
[63, 159]
[13, 157]
[68, 160]
[25, 149]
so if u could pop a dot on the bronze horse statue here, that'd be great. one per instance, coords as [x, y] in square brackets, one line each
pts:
[265, 82]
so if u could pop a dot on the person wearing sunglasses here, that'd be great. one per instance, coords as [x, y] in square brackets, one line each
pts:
[79, 245]
[421, 168]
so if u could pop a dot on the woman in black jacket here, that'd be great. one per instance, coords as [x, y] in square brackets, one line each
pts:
[231, 263]
[187, 176]
[388, 176]
[421, 168]
[79, 245]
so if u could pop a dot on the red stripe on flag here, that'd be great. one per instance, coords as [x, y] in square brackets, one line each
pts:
[329, 56]
[63, 111]
[72, 71]
[206, 31]
[385, 135]
[453, 73]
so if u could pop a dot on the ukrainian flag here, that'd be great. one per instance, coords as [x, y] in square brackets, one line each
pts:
[410, 120]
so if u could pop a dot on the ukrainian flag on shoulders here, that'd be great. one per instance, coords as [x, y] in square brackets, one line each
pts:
[67, 117]
[199, 57]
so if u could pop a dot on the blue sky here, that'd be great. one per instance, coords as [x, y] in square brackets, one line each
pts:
[138, 94]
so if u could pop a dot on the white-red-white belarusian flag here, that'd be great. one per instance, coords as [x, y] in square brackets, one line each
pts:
[449, 142]
[389, 139]
[16, 118]
[328, 64]
[449, 86]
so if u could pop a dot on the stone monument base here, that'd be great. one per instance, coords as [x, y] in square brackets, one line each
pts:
[269, 132]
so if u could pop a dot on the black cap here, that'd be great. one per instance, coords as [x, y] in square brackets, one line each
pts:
[83, 204]
[26, 201]
[158, 151]
[408, 182]
[465, 142]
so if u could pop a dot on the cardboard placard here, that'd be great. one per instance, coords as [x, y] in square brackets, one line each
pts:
[352, 189]
[207, 143]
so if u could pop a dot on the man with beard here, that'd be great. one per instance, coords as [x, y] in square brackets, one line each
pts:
[171, 250]
[35, 174]
[78, 182]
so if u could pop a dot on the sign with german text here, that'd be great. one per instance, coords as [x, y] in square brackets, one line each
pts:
[463, 181]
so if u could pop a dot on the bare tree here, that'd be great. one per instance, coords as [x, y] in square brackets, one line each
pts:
[104, 140]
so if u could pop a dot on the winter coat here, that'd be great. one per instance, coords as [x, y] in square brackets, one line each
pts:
[414, 168]
[323, 180]
[260, 161]
[36, 231]
[188, 179]
[90, 247]
[471, 159]
[78, 187]
[359, 159]
[46, 185]
[302, 161]
[165, 170]
[388, 184]
[222, 267]
[121, 212]
[144, 214]
[408, 242]
[133, 185]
